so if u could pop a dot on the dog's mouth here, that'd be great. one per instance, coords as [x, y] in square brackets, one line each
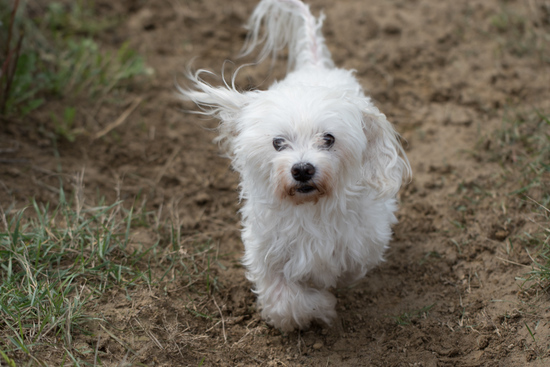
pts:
[303, 192]
[305, 189]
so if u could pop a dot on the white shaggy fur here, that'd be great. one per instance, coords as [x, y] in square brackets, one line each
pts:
[320, 167]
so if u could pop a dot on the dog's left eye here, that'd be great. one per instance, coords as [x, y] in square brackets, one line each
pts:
[279, 144]
[328, 139]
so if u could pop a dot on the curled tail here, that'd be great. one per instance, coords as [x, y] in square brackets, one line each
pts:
[288, 23]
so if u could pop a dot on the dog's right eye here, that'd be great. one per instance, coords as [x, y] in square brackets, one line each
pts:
[279, 144]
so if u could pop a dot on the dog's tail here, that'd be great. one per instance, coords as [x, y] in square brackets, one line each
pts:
[288, 23]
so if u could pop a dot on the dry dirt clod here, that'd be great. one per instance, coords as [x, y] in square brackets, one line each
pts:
[483, 342]
[318, 345]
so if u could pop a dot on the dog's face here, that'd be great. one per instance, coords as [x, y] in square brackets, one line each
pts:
[302, 144]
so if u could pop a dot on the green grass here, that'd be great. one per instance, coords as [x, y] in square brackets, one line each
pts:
[52, 54]
[522, 147]
[539, 241]
[518, 193]
[520, 31]
[407, 318]
[57, 262]
[54, 261]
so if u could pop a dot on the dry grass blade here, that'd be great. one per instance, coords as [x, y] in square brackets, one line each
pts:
[223, 320]
[120, 120]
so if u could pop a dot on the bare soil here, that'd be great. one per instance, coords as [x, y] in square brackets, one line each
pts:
[448, 294]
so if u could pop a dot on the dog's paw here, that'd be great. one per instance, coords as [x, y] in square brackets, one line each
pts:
[296, 306]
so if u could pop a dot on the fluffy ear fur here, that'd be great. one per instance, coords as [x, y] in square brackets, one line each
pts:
[224, 103]
[385, 164]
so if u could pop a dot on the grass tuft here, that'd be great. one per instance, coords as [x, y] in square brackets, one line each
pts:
[58, 262]
[522, 145]
[407, 318]
[540, 241]
[523, 31]
[50, 54]
[54, 261]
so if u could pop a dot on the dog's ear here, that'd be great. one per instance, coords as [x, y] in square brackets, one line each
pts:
[385, 164]
[224, 103]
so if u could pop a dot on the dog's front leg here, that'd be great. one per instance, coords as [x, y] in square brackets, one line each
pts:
[288, 305]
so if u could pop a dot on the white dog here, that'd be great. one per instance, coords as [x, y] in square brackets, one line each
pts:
[320, 167]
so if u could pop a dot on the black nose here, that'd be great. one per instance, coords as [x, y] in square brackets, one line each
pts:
[302, 171]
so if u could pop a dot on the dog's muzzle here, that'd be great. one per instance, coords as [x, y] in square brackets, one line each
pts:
[303, 173]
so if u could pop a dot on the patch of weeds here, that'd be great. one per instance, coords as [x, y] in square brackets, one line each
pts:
[197, 266]
[11, 52]
[429, 256]
[407, 318]
[76, 18]
[522, 33]
[194, 262]
[459, 246]
[507, 20]
[50, 54]
[191, 270]
[522, 147]
[470, 195]
[53, 263]
[64, 126]
[84, 70]
[540, 242]
[537, 349]
[459, 225]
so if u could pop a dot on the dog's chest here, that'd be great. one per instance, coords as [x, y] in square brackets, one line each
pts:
[318, 249]
[316, 245]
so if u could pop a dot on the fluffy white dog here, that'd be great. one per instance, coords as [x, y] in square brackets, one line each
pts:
[320, 167]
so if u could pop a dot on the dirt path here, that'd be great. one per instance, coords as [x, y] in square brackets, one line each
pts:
[446, 73]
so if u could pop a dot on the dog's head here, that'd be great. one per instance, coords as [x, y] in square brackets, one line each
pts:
[301, 143]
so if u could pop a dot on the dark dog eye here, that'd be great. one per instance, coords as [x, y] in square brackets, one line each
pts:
[279, 144]
[328, 140]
